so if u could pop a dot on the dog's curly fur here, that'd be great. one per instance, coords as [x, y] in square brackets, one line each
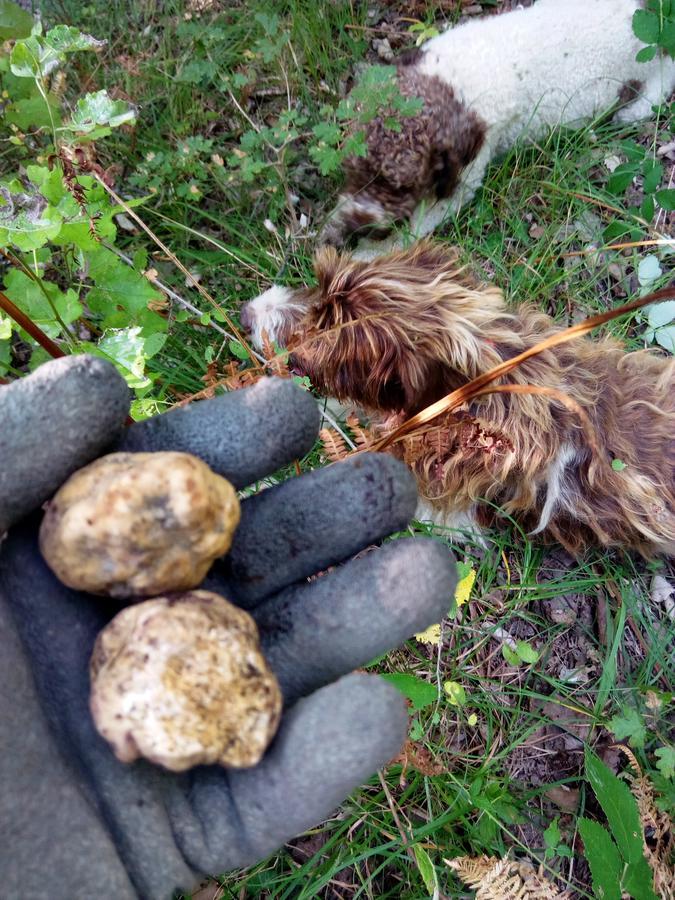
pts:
[395, 334]
[484, 85]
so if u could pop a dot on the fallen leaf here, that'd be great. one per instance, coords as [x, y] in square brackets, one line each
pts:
[430, 635]
[464, 586]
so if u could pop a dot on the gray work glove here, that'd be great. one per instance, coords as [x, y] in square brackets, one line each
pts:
[75, 822]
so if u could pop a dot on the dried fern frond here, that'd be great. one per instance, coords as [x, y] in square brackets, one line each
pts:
[658, 829]
[363, 436]
[504, 879]
[334, 445]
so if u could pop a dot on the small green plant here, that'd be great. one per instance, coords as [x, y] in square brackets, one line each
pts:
[57, 227]
[655, 25]
[615, 854]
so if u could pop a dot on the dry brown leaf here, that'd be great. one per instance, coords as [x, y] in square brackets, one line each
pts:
[334, 445]
[504, 879]
[416, 756]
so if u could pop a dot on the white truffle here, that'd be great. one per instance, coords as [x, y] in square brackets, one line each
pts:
[139, 524]
[181, 681]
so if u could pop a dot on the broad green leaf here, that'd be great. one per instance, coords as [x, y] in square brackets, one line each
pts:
[121, 295]
[419, 692]
[666, 761]
[426, 868]
[510, 656]
[660, 314]
[237, 349]
[619, 806]
[630, 725]
[653, 173]
[646, 54]
[526, 652]
[638, 881]
[14, 21]
[665, 337]
[38, 55]
[649, 270]
[25, 218]
[43, 310]
[125, 347]
[455, 693]
[552, 835]
[666, 199]
[99, 109]
[646, 26]
[603, 858]
[622, 177]
[33, 112]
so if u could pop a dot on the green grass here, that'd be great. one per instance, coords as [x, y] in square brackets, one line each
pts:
[540, 212]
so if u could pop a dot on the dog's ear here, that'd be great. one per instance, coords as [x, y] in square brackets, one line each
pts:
[457, 135]
[366, 347]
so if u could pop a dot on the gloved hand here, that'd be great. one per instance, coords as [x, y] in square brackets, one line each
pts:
[75, 822]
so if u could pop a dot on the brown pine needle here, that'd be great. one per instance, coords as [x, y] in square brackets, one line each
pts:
[475, 387]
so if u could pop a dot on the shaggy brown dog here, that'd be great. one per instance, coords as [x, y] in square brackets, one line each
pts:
[398, 333]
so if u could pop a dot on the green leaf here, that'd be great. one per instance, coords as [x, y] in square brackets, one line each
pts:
[125, 348]
[666, 763]
[510, 656]
[25, 218]
[619, 806]
[419, 692]
[33, 112]
[666, 199]
[328, 132]
[98, 109]
[552, 835]
[603, 859]
[648, 208]
[660, 314]
[37, 56]
[622, 177]
[646, 26]
[121, 295]
[526, 652]
[646, 54]
[426, 868]
[653, 173]
[630, 725]
[14, 21]
[455, 693]
[42, 303]
[237, 349]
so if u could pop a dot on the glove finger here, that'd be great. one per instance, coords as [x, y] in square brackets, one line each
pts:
[314, 633]
[243, 435]
[54, 422]
[327, 745]
[307, 524]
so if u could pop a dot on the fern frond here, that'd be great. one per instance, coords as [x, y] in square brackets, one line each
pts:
[334, 444]
[504, 879]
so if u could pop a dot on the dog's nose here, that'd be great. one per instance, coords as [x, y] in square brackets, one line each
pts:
[246, 317]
